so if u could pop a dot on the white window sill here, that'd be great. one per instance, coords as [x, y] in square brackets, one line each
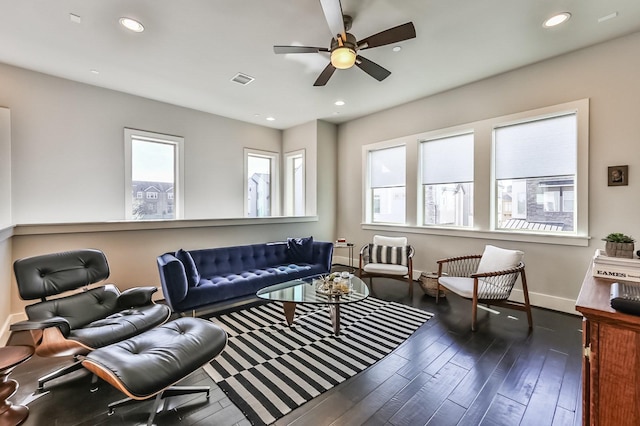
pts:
[137, 225]
[529, 237]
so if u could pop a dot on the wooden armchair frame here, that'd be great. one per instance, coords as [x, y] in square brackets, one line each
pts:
[364, 259]
[490, 288]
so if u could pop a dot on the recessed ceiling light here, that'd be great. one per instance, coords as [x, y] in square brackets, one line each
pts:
[132, 24]
[94, 71]
[397, 48]
[338, 103]
[556, 19]
[270, 119]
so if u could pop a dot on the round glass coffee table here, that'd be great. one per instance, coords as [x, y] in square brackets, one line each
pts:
[305, 290]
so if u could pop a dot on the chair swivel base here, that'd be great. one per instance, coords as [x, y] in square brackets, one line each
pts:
[167, 393]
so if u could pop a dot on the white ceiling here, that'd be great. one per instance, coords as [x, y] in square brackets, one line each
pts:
[191, 49]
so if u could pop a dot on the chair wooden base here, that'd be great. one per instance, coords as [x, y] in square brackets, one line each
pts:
[408, 279]
[510, 304]
[468, 265]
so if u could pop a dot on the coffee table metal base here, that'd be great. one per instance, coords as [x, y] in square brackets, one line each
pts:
[334, 313]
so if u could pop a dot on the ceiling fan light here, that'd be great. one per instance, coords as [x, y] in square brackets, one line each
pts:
[343, 57]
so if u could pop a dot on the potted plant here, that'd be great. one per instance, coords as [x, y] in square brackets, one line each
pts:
[619, 245]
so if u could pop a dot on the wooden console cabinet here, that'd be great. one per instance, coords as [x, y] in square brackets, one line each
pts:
[611, 362]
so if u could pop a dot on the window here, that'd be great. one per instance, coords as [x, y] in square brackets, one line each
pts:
[519, 177]
[447, 181]
[153, 166]
[536, 163]
[262, 182]
[387, 174]
[295, 183]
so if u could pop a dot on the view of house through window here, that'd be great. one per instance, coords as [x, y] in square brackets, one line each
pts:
[387, 185]
[447, 180]
[535, 167]
[152, 162]
[261, 174]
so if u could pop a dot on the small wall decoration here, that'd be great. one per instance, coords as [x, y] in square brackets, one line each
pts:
[618, 175]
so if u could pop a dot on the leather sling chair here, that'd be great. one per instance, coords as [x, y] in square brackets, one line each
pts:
[77, 323]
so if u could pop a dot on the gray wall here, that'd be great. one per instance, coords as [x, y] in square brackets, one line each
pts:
[67, 161]
[68, 153]
[607, 74]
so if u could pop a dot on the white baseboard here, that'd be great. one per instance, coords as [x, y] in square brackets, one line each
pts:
[4, 332]
[542, 300]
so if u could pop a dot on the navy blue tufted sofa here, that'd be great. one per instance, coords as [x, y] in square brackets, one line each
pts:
[224, 275]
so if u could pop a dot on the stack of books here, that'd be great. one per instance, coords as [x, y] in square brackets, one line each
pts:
[341, 242]
[617, 268]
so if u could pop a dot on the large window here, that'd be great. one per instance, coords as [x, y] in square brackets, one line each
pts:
[294, 182]
[518, 177]
[153, 175]
[535, 171]
[261, 185]
[387, 193]
[447, 181]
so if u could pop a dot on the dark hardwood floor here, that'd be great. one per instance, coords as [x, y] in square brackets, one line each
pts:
[444, 374]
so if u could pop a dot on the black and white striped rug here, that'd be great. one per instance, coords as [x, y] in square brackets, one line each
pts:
[268, 369]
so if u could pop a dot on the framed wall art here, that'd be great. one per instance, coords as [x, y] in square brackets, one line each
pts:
[618, 175]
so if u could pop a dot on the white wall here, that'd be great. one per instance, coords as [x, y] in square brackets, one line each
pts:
[5, 219]
[607, 74]
[5, 167]
[68, 150]
[305, 137]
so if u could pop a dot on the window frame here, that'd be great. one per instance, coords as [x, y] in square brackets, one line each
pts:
[177, 142]
[289, 182]
[435, 136]
[274, 184]
[368, 197]
[581, 190]
[484, 178]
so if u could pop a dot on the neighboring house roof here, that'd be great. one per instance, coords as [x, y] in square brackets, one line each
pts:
[140, 185]
[534, 226]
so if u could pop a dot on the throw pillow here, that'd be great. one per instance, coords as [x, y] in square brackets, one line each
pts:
[498, 259]
[300, 250]
[388, 254]
[193, 276]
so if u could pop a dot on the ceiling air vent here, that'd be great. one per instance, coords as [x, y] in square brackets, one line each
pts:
[242, 79]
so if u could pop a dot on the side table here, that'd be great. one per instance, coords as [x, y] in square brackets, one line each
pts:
[347, 246]
[11, 357]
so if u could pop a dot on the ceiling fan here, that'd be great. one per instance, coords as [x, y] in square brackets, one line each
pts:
[344, 46]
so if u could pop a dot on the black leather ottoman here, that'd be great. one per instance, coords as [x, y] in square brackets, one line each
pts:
[150, 363]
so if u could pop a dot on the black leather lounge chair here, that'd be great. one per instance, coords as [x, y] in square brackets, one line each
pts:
[76, 324]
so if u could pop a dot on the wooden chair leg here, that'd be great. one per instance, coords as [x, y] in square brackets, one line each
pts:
[527, 305]
[410, 286]
[474, 306]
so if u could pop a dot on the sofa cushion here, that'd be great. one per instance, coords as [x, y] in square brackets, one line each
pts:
[300, 250]
[190, 269]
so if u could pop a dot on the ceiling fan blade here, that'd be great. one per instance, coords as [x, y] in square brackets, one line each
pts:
[298, 49]
[325, 75]
[392, 35]
[333, 14]
[371, 68]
